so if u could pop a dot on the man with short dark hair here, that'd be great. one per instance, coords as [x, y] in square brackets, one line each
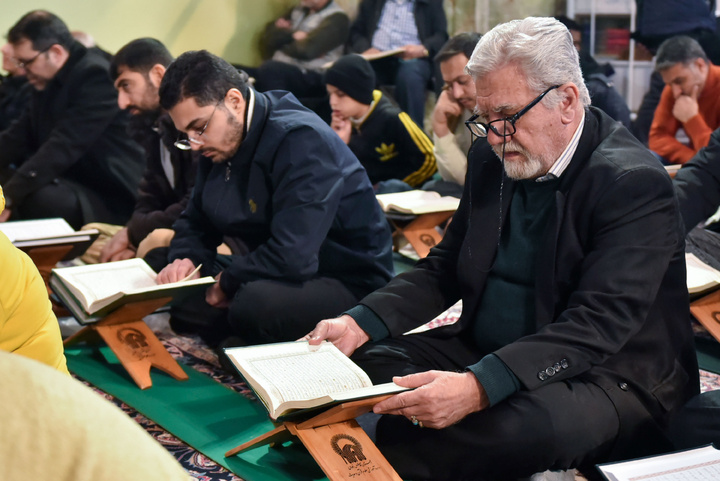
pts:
[690, 100]
[137, 70]
[574, 344]
[274, 175]
[454, 106]
[68, 155]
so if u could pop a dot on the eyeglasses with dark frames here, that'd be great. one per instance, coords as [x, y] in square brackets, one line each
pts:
[23, 64]
[185, 144]
[502, 127]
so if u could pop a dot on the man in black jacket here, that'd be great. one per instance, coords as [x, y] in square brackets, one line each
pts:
[275, 176]
[68, 155]
[137, 70]
[574, 345]
[15, 91]
[417, 27]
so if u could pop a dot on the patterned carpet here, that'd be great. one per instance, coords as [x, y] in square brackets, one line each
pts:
[191, 351]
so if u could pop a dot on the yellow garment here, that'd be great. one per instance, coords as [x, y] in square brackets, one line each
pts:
[27, 323]
[56, 428]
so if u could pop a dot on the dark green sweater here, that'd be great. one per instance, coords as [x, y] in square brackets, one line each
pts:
[507, 309]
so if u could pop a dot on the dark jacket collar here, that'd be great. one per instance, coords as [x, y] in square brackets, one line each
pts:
[77, 52]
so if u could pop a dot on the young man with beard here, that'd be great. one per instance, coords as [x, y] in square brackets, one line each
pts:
[574, 345]
[274, 175]
[137, 70]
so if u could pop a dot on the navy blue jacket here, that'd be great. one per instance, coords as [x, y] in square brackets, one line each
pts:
[296, 196]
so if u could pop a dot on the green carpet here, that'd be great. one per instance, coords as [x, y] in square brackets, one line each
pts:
[402, 263]
[201, 412]
[708, 354]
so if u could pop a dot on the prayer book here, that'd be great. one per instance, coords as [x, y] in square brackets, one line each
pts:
[373, 56]
[28, 234]
[699, 464]
[700, 276]
[417, 202]
[91, 291]
[385, 53]
[289, 377]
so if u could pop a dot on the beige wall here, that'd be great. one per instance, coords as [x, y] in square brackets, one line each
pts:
[229, 28]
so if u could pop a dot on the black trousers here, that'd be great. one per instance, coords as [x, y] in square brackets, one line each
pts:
[563, 425]
[62, 198]
[698, 422]
[261, 311]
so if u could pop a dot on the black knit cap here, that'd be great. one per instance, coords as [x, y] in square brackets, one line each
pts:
[353, 75]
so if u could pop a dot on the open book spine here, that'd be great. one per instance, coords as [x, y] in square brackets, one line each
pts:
[71, 302]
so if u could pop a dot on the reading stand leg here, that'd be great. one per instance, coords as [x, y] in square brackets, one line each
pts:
[421, 232]
[707, 311]
[280, 434]
[337, 443]
[132, 341]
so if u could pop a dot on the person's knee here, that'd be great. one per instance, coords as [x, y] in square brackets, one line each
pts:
[413, 73]
[258, 316]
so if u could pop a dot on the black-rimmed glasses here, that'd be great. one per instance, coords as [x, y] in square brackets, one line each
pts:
[185, 144]
[503, 127]
[23, 64]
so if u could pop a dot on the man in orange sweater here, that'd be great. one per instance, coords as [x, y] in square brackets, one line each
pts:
[690, 100]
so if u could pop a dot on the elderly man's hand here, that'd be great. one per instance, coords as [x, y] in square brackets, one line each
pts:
[342, 331]
[440, 399]
[686, 106]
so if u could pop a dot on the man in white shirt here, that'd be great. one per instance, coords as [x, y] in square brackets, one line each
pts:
[419, 28]
[454, 106]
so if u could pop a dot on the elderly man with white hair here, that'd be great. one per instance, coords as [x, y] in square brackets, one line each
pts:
[574, 345]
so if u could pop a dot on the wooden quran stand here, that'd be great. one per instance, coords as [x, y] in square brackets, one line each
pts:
[337, 443]
[421, 232]
[707, 311]
[132, 341]
[46, 258]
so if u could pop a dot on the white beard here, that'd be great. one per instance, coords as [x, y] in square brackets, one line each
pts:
[530, 168]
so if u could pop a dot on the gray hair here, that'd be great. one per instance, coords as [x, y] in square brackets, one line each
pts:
[679, 49]
[541, 47]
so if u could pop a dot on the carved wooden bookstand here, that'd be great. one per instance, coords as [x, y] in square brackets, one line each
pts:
[421, 232]
[707, 311]
[339, 445]
[132, 341]
[46, 258]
